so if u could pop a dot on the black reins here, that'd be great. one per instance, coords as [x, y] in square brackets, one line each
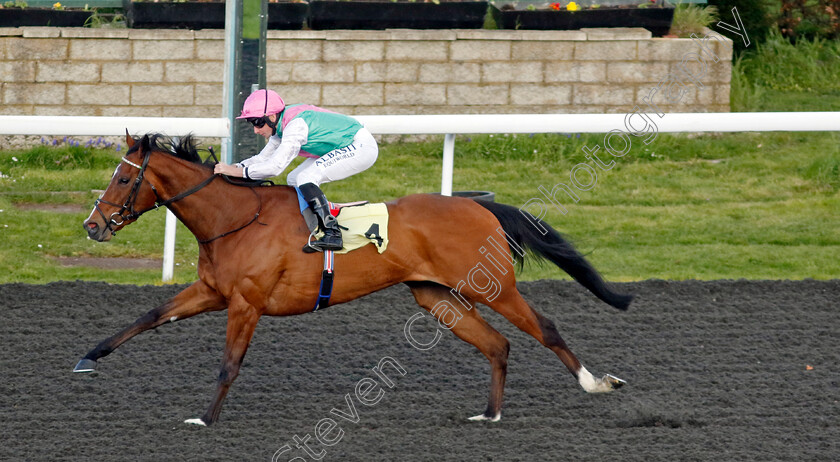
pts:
[128, 205]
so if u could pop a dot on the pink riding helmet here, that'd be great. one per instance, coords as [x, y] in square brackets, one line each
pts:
[261, 103]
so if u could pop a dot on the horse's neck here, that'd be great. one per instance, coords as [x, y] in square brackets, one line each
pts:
[209, 211]
[217, 208]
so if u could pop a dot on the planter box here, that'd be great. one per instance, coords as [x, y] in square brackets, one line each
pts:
[386, 14]
[655, 19]
[488, 196]
[19, 17]
[287, 16]
[203, 15]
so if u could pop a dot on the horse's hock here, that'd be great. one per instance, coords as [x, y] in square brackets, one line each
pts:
[131, 72]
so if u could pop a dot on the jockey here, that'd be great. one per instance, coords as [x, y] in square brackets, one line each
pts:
[336, 146]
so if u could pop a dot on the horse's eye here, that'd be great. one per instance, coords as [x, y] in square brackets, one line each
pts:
[123, 180]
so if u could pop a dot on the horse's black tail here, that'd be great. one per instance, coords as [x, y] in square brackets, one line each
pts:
[527, 232]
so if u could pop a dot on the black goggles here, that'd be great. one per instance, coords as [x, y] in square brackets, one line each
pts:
[258, 122]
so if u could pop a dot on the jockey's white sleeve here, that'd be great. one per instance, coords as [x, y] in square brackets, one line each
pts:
[278, 153]
[270, 146]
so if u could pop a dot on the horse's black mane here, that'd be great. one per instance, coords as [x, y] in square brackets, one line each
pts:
[184, 148]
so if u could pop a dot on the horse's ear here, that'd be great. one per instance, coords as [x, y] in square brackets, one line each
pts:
[144, 143]
[129, 140]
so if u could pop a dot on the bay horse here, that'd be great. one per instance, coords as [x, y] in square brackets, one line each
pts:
[250, 261]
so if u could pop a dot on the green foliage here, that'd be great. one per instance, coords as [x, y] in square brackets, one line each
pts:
[780, 76]
[805, 66]
[100, 19]
[15, 4]
[809, 19]
[692, 19]
[755, 15]
[745, 95]
[490, 20]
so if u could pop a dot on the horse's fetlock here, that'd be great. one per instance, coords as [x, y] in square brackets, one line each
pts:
[501, 355]
[552, 339]
[99, 352]
[226, 376]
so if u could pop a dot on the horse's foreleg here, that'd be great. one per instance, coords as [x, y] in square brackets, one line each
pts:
[242, 320]
[516, 310]
[193, 300]
[473, 329]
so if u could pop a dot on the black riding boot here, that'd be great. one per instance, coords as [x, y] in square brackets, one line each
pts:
[329, 225]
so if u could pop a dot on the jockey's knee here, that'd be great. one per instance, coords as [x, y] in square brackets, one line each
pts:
[301, 179]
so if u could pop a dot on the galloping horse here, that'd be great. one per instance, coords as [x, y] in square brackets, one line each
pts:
[250, 261]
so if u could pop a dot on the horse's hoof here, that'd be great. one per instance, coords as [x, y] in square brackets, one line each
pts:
[613, 381]
[195, 422]
[85, 365]
[484, 418]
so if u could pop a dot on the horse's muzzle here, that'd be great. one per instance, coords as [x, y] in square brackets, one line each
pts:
[96, 232]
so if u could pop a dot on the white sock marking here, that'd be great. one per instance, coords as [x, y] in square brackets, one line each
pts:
[590, 384]
[483, 418]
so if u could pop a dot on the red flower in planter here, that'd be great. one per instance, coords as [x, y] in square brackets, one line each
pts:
[555, 6]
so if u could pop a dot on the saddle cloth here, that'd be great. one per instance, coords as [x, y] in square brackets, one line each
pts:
[366, 224]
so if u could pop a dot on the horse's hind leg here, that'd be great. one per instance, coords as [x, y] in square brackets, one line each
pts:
[473, 329]
[193, 300]
[512, 306]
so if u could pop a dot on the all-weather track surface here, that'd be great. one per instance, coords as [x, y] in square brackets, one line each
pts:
[721, 370]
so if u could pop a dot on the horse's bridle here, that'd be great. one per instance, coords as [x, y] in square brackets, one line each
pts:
[128, 205]
[130, 200]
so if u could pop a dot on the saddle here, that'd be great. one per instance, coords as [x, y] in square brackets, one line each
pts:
[361, 223]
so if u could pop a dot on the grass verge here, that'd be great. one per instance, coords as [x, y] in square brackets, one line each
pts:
[745, 205]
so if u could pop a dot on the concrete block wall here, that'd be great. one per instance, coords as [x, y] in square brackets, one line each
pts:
[133, 72]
